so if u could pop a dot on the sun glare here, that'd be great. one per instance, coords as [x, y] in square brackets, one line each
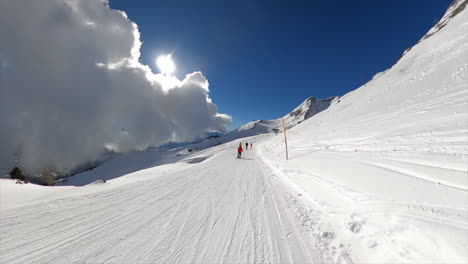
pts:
[165, 64]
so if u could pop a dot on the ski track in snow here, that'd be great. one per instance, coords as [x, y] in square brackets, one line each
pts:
[380, 176]
[379, 219]
[212, 212]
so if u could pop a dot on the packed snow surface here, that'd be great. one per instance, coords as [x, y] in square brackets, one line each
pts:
[380, 176]
[212, 210]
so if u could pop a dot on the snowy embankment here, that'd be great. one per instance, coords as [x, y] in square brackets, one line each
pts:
[387, 165]
[380, 176]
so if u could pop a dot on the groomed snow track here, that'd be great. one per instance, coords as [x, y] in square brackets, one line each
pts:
[221, 210]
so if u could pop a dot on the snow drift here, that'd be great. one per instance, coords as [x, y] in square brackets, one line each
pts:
[72, 88]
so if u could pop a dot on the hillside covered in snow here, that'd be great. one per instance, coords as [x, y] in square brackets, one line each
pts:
[387, 166]
[310, 107]
[378, 175]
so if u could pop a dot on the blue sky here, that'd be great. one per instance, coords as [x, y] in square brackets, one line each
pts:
[264, 57]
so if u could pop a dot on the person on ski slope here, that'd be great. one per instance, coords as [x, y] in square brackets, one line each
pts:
[239, 151]
[250, 145]
[246, 145]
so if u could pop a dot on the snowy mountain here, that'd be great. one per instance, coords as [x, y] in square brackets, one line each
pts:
[387, 165]
[456, 7]
[310, 107]
[377, 176]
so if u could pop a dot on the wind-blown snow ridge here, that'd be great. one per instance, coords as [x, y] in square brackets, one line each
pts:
[454, 9]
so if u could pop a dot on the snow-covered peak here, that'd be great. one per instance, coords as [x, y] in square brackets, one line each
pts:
[307, 109]
[455, 8]
[310, 107]
[249, 125]
[421, 98]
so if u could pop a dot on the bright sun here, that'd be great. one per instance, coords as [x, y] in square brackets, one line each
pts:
[165, 64]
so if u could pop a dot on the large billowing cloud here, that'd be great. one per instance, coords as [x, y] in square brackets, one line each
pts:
[71, 87]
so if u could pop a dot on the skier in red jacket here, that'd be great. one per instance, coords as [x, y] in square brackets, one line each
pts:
[239, 151]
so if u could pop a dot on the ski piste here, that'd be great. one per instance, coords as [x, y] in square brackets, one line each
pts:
[378, 176]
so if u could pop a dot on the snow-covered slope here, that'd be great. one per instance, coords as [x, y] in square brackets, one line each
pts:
[310, 107]
[380, 176]
[454, 9]
[387, 166]
[421, 101]
[165, 154]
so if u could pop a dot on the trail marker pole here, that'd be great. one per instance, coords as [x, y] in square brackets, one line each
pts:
[285, 139]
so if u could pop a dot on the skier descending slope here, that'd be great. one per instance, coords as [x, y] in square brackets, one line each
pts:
[239, 151]
[246, 145]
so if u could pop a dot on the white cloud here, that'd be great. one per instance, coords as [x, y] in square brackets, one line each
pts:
[71, 85]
